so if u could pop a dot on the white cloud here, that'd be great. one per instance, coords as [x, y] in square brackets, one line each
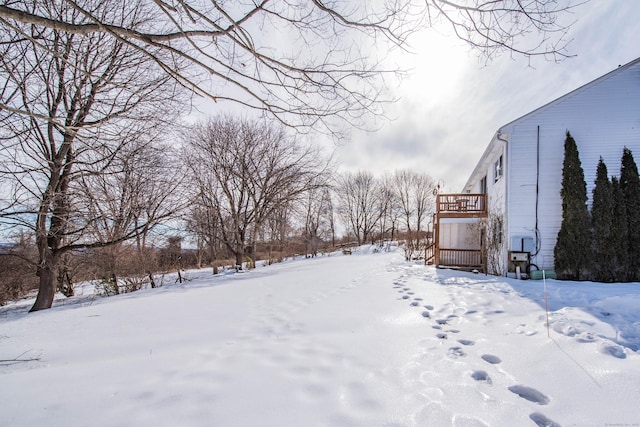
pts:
[451, 105]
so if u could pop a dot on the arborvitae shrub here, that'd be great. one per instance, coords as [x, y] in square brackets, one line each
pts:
[572, 250]
[630, 185]
[619, 233]
[603, 267]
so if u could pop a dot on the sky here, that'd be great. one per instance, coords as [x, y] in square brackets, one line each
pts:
[453, 102]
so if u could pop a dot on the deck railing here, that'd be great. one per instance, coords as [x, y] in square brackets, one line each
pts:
[460, 257]
[430, 253]
[462, 203]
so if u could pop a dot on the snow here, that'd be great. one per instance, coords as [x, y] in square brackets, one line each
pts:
[357, 340]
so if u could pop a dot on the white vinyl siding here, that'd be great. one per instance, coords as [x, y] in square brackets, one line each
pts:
[602, 116]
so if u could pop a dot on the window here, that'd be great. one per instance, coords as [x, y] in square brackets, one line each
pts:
[498, 169]
[483, 185]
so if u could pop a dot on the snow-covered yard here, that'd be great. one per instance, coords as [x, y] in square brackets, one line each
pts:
[360, 340]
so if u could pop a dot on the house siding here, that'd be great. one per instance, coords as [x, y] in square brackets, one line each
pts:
[602, 116]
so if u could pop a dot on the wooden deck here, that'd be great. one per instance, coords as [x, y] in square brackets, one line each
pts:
[458, 258]
[461, 205]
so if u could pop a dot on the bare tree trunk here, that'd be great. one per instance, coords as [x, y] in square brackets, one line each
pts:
[239, 258]
[47, 273]
[153, 282]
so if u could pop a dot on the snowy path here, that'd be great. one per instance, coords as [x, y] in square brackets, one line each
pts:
[362, 340]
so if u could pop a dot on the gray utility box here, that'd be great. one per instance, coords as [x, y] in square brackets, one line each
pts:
[516, 256]
[523, 244]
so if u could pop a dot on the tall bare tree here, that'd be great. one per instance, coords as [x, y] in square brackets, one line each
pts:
[202, 223]
[359, 203]
[72, 104]
[318, 215]
[414, 193]
[129, 196]
[246, 170]
[304, 62]
[390, 209]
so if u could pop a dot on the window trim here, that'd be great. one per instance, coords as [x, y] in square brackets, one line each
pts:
[498, 169]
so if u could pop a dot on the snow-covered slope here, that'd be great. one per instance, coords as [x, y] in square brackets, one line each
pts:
[360, 340]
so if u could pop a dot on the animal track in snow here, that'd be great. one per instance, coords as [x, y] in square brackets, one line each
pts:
[530, 394]
[437, 327]
[426, 314]
[415, 303]
[542, 421]
[442, 336]
[418, 299]
[490, 358]
[466, 342]
[405, 296]
[428, 307]
[481, 376]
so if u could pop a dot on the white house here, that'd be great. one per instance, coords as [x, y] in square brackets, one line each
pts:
[521, 170]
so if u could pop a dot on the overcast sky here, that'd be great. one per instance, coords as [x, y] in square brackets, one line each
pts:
[452, 104]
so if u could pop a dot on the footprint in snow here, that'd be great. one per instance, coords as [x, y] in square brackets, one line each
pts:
[490, 358]
[453, 331]
[585, 337]
[414, 304]
[442, 336]
[481, 376]
[437, 327]
[405, 296]
[456, 352]
[426, 314]
[441, 321]
[530, 394]
[428, 307]
[418, 299]
[542, 421]
[615, 351]
[466, 342]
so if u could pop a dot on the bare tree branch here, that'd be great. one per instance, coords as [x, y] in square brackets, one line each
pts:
[308, 64]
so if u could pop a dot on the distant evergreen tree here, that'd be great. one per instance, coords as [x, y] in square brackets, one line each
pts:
[603, 268]
[572, 250]
[619, 232]
[630, 185]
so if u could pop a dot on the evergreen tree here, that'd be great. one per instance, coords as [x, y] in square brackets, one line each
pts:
[602, 226]
[630, 185]
[572, 250]
[619, 232]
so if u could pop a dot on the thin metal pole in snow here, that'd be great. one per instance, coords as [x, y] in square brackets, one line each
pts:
[546, 301]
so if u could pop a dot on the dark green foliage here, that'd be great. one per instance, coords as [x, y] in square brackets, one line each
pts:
[603, 268]
[619, 234]
[630, 185]
[572, 250]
